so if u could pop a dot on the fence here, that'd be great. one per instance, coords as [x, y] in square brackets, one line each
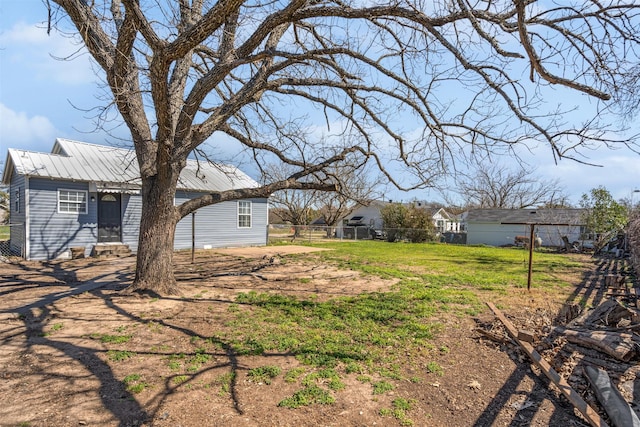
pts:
[306, 233]
[314, 233]
[6, 231]
[633, 235]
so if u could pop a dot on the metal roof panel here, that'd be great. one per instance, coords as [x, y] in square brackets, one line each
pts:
[80, 161]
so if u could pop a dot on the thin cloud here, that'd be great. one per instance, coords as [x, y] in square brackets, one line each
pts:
[26, 46]
[18, 130]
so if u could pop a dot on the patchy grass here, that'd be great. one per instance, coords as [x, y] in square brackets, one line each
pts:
[308, 396]
[485, 267]
[381, 387]
[366, 334]
[134, 383]
[4, 232]
[399, 411]
[435, 368]
[120, 355]
[264, 374]
[224, 382]
[111, 339]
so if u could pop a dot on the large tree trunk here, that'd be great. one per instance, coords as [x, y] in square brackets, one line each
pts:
[154, 268]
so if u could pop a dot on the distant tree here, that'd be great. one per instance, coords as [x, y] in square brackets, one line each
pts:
[4, 206]
[393, 218]
[295, 207]
[491, 185]
[419, 223]
[603, 216]
[277, 215]
[411, 222]
[358, 188]
[559, 202]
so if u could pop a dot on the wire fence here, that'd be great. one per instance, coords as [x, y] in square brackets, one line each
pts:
[282, 233]
[10, 236]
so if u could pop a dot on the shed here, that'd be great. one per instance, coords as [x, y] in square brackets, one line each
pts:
[499, 227]
[83, 195]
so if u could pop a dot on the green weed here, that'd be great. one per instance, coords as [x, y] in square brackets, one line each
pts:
[292, 375]
[133, 383]
[225, 381]
[264, 374]
[114, 339]
[399, 411]
[308, 396]
[120, 355]
[435, 368]
[381, 387]
[179, 379]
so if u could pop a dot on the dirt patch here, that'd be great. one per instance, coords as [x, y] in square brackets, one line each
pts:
[60, 367]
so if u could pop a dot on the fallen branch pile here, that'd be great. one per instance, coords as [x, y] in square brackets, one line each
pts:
[592, 358]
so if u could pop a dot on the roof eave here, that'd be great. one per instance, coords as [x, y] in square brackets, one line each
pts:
[7, 172]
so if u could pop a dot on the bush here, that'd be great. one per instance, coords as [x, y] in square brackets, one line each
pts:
[412, 223]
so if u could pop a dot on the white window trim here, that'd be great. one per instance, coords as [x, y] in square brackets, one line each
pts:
[250, 214]
[86, 201]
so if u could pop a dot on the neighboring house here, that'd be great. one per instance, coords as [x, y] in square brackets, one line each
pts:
[81, 195]
[499, 227]
[369, 216]
[445, 222]
[360, 221]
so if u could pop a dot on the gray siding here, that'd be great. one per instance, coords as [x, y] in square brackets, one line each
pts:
[131, 212]
[494, 234]
[51, 234]
[505, 234]
[17, 233]
[216, 226]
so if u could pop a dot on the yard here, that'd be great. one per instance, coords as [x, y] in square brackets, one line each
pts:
[340, 333]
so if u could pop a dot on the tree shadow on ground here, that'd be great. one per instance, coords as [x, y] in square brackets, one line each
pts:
[37, 317]
[62, 281]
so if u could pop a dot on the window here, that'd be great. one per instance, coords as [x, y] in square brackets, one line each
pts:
[244, 214]
[72, 201]
[17, 201]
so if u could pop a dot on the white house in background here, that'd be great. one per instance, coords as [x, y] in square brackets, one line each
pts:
[499, 227]
[369, 218]
[82, 195]
[361, 220]
[444, 221]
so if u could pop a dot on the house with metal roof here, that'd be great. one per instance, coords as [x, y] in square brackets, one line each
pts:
[85, 195]
[500, 227]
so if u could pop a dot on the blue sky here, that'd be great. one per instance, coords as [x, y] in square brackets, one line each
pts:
[42, 98]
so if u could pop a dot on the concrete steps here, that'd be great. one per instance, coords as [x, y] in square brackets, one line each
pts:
[110, 250]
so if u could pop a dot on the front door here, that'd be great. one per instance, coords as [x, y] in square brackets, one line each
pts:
[109, 217]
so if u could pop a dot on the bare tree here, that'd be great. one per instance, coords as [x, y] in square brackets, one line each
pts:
[297, 207]
[358, 188]
[496, 186]
[409, 86]
[293, 206]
